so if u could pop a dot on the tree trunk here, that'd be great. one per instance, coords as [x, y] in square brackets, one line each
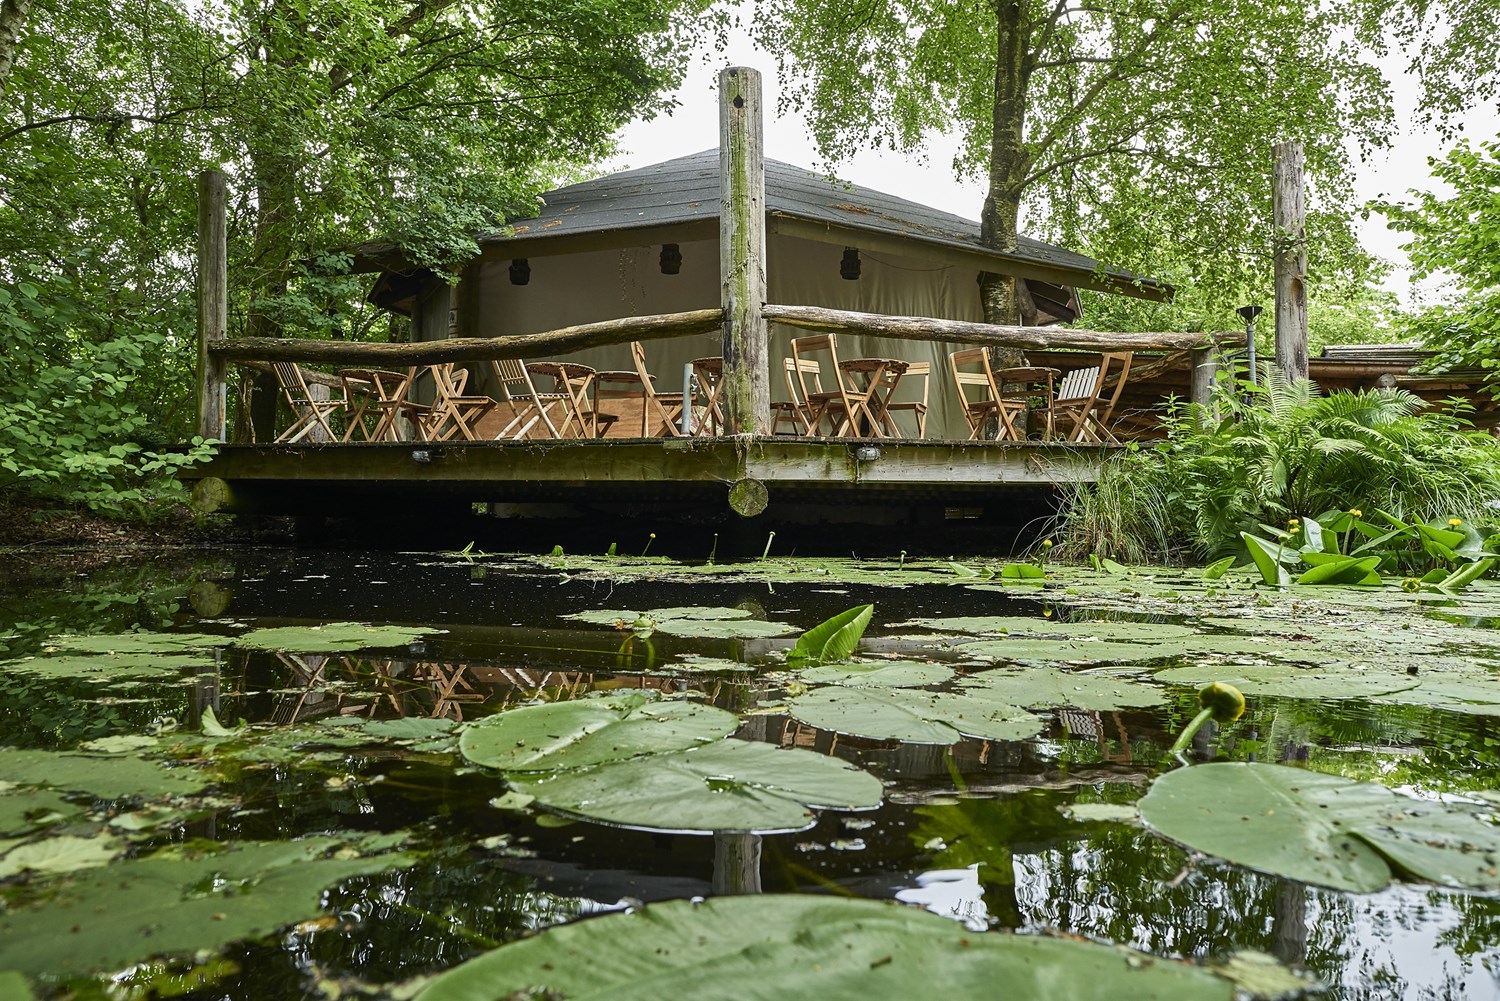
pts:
[12, 16]
[1009, 163]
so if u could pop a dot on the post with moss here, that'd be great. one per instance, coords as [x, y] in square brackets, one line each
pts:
[745, 392]
[1204, 376]
[213, 300]
[1289, 231]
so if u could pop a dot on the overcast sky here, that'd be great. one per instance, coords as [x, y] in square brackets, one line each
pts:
[694, 126]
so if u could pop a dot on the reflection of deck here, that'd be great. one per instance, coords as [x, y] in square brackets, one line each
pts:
[331, 478]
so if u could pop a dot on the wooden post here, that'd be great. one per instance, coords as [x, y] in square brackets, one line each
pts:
[1201, 380]
[746, 391]
[1289, 223]
[213, 300]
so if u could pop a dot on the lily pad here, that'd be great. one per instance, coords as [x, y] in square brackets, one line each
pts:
[769, 948]
[1292, 682]
[332, 637]
[1017, 625]
[1321, 829]
[591, 731]
[879, 674]
[26, 810]
[175, 902]
[731, 785]
[1477, 695]
[65, 853]
[107, 668]
[1040, 687]
[915, 717]
[1062, 650]
[128, 643]
[108, 777]
[708, 622]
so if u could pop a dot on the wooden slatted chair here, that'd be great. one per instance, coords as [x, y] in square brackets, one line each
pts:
[971, 371]
[660, 412]
[528, 406]
[793, 412]
[311, 412]
[839, 407]
[452, 412]
[1082, 411]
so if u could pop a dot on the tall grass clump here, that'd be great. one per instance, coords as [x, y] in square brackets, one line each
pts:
[1278, 450]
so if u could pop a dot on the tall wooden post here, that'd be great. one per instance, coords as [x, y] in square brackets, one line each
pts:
[1204, 375]
[1289, 220]
[745, 391]
[213, 300]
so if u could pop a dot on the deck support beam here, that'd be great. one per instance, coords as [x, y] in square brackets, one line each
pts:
[746, 390]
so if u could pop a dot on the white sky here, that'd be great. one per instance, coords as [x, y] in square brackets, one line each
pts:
[694, 126]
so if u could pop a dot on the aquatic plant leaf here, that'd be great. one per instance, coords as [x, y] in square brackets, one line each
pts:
[1292, 682]
[331, 637]
[1120, 812]
[1477, 695]
[1040, 687]
[108, 668]
[132, 643]
[1341, 570]
[708, 622]
[586, 732]
[1022, 571]
[913, 716]
[65, 853]
[1321, 829]
[879, 674]
[731, 785]
[774, 947]
[833, 640]
[1065, 649]
[411, 728]
[26, 810]
[108, 777]
[728, 629]
[175, 902]
[1218, 568]
[1268, 557]
[1022, 626]
[119, 744]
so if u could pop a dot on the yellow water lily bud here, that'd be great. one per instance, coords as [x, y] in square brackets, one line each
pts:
[1455, 522]
[1356, 512]
[1226, 701]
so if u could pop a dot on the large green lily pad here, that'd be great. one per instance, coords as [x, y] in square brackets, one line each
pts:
[1321, 829]
[732, 785]
[1017, 626]
[136, 643]
[1293, 682]
[771, 948]
[174, 902]
[64, 853]
[708, 622]
[108, 777]
[878, 674]
[1040, 687]
[591, 731]
[331, 637]
[912, 716]
[1062, 650]
[25, 810]
[106, 668]
[1478, 695]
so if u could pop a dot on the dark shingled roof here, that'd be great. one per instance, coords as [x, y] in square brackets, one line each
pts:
[686, 190]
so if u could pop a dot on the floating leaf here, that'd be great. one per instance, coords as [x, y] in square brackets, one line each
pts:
[174, 902]
[107, 668]
[760, 948]
[732, 785]
[119, 744]
[1292, 682]
[331, 637]
[833, 640]
[708, 622]
[1120, 812]
[134, 643]
[109, 777]
[1062, 650]
[26, 810]
[1040, 687]
[916, 717]
[1016, 626]
[1321, 829]
[66, 853]
[590, 731]
[879, 674]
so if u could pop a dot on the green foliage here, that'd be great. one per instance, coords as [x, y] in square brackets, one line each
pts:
[833, 640]
[1458, 235]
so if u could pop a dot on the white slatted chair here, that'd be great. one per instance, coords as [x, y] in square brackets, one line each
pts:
[1082, 411]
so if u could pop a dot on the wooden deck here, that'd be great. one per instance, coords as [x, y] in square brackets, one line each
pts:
[741, 474]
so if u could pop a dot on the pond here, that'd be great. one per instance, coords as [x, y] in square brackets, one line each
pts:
[264, 774]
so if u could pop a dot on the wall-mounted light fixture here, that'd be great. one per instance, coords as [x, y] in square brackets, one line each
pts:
[849, 266]
[520, 271]
[671, 259]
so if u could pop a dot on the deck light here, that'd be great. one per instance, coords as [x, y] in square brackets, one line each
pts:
[849, 266]
[671, 259]
[520, 271]
[421, 456]
[867, 453]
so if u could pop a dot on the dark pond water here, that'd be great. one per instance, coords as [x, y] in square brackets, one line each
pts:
[978, 831]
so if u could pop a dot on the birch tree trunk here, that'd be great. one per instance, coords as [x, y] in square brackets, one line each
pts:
[12, 16]
[999, 224]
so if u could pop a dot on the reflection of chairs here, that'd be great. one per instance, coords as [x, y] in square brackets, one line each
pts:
[452, 412]
[528, 406]
[971, 370]
[656, 419]
[1081, 411]
[917, 408]
[311, 414]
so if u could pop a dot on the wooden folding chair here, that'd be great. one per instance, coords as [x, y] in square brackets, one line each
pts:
[1082, 411]
[917, 408]
[452, 412]
[839, 407]
[528, 406]
[311, 413]
[661, 411]
[971, 370]
[794, 411]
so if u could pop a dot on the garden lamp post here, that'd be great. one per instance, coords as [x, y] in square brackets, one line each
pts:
[1248, 314]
